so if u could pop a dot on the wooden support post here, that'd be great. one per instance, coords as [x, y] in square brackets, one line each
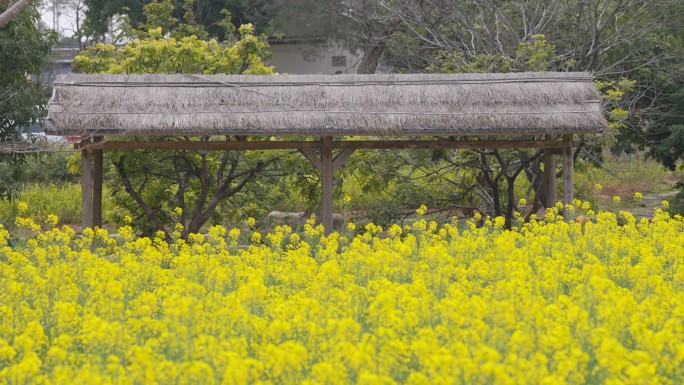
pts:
[97, 187]
[326, 184]
[567, 169]
[549, 180]
[326, 166]
[86, 188]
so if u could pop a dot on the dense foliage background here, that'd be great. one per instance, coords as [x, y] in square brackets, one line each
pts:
[633, 47]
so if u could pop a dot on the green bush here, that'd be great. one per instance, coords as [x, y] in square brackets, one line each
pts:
[41, 200]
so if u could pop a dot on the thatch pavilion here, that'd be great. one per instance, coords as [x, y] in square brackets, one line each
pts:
[388, 111]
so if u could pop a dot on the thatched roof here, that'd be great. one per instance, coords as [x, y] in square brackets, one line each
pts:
[377, 105]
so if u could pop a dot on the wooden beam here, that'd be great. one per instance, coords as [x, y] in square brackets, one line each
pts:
[341, 158]
[312, 157]
[338, 160]
[568, 171]
[206, 145]
[86, 189]
[430, 144]
[339, 145]
[549, 180]
[327, 184]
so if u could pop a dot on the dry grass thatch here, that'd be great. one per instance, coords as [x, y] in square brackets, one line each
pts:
[378, 105]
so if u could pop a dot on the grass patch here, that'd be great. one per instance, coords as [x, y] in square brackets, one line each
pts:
[41, 200]
[622, 178]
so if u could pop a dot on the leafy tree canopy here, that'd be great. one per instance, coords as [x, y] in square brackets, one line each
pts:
[23, 48]
[208, 13]
[169, 46]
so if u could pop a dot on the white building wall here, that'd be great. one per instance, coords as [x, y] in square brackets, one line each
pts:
[313, 59]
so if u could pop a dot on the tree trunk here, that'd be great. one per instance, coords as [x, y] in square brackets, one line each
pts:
[492, 183]
[149, 212]
[13, 11]
[371, 58]
[376, 46]
[204, 210]
[510, 204]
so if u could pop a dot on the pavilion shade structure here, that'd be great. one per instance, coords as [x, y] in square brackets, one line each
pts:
[323, 105]
[390, 111]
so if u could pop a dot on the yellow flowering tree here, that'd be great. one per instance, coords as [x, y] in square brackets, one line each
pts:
[151, 184]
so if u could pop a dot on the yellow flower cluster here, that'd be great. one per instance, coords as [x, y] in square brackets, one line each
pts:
[598, 302]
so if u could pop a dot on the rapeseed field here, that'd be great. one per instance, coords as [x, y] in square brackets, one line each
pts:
[550, 302]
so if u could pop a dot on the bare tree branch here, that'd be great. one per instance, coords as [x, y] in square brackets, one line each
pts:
[149, 212]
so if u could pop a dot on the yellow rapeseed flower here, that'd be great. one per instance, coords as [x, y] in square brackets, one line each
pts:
[552, 302]
[22, 207]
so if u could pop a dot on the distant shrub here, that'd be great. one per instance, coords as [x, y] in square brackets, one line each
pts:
[41, 200]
